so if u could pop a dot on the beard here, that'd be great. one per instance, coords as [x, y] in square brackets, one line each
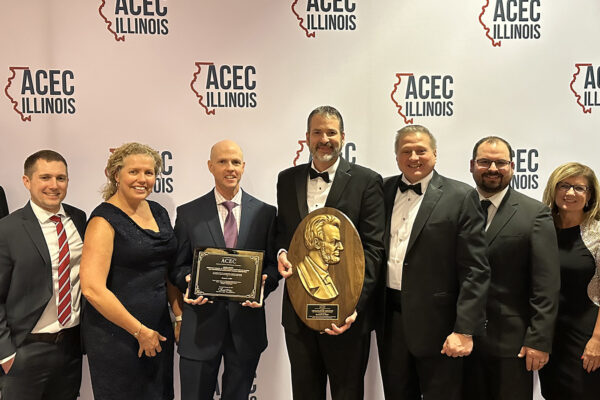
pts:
[329, 258]
[335, 152]
[493, 187]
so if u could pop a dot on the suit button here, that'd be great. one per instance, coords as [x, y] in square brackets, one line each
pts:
[406, 264]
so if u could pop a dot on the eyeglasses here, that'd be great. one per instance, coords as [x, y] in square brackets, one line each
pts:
[565, 187]
[485, 163]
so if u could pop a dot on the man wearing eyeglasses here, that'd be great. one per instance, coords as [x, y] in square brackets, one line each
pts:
[523, 296]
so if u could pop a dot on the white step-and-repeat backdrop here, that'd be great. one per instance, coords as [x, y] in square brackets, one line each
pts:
[82, 77]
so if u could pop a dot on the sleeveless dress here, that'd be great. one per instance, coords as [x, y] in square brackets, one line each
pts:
[563, 377]
[137, 277]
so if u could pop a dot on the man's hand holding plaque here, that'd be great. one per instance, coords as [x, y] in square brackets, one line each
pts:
[324, 271]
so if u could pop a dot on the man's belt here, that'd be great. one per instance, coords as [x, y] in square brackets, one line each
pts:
[55, 338]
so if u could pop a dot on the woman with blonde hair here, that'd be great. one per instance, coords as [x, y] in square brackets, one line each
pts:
[573, 371]
[129, 243]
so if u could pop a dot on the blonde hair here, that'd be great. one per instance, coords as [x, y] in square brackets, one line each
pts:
[568, 170]
[116, 161]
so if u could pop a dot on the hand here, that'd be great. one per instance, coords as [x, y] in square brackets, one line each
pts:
[591, 354]
[338, 331]
[254, 304]
[457, 345]
[7, 365]
[149, 341]
[176, 330]
[534, 359]
[199, 301]
[283, 265]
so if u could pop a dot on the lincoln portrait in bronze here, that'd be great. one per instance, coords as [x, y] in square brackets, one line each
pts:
[323, 242]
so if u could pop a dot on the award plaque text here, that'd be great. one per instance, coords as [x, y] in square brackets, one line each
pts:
[226, 274]
[328, 265]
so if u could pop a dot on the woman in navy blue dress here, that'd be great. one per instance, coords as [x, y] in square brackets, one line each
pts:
[573, 370]
[129, 244]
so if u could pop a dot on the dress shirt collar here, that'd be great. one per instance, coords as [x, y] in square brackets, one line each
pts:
[331, 170]
[42, 215]
[495, 199]
[424, 182]
[237, 199]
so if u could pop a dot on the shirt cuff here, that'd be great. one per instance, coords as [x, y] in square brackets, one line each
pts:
[8, 358]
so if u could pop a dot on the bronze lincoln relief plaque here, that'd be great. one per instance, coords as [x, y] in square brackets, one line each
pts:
[328, 262]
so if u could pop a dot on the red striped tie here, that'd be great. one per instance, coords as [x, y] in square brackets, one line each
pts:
[64, 273]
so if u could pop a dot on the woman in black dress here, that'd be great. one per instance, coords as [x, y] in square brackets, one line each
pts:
[572, 373]
[129, 243]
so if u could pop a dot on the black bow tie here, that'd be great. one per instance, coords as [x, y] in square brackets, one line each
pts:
[314, 175]
[403, 186]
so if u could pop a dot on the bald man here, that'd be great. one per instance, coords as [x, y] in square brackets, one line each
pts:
[212, 331]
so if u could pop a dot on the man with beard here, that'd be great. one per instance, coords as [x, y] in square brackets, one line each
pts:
[523, 296]
[437, 275]
[340, 353]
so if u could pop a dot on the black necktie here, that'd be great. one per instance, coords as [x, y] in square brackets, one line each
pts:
[485, 204]
[314, 175]
[403, 186]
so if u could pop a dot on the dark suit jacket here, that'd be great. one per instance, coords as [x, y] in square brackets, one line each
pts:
[523, 296]
[357, 192]
[445, 277]
[204, 327]
[3, 204]
[25, 274]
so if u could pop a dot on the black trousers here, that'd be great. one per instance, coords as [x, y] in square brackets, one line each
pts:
[45, 371]
[496, 378]
[199, 377]
[407, 377]
[314, 357]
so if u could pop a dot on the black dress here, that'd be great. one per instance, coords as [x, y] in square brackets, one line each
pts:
[137, 277]
[564, 378]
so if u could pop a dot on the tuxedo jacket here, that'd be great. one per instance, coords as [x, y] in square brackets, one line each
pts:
[523, 296]
[445, 275]
[25, 274]
[205, 327]
[3, 204]
[357, 192]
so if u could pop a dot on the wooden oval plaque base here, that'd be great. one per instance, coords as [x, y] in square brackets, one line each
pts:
[329, 268]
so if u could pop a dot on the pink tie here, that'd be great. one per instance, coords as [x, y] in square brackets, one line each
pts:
[230, 231]
[64, 273]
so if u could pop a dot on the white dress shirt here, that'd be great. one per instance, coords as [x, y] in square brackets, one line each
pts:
[406, 207]
[317, 189]
[48, 322]
[496, 200]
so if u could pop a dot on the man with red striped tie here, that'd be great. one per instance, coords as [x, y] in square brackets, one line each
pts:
[40, 249]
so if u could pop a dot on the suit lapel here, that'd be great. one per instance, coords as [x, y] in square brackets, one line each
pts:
[389, 195]
[209, 209]
[340, 181]
[508, 207]
[430, 199]
[247, 215]
[300, 180]
[33, 229]
[80, 225]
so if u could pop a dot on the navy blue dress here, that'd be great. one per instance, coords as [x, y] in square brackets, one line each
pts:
[137, 277]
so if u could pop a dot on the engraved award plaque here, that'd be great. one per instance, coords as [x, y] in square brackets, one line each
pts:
[226, 274]
[328, 262]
